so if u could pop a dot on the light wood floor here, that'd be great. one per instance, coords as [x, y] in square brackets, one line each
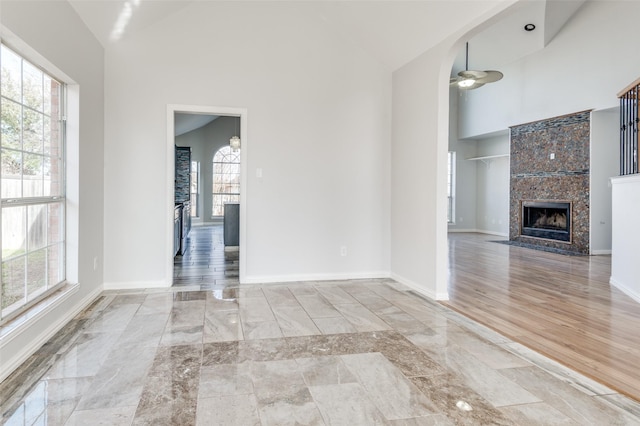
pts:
[560, 306]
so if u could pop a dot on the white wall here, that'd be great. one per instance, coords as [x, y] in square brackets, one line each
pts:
[625, 267]
[204, 143]
[492, 186]
[605, 163]
[420, 141]
[482, 186]
[465, 179]
[318, 126]
[419, 171]
[584, 67]
[52, 35]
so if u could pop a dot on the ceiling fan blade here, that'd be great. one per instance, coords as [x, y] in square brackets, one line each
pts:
[491, 77]
[472, 74]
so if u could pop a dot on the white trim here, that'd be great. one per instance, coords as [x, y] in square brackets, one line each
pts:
[420, 289]
[170, 170]
[9, 365]
[268, 279]
[623, 288]
[487, 157]
[27, 318]
[635, 178]
[479, 231]
[138, 285]
[600, 252]
[497, 234]
[14, 42]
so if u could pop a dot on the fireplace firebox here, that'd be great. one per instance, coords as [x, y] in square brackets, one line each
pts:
[549, 220]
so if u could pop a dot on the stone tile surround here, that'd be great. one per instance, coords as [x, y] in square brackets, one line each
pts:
[535, 176]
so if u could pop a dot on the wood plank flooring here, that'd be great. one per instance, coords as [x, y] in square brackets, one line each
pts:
[561, 306]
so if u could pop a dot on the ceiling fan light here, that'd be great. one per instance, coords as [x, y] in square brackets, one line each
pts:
[466, 83]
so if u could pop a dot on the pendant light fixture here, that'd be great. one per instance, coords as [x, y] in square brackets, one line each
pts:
[234, 142]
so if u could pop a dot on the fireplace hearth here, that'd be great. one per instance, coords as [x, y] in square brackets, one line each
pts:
[550, 220]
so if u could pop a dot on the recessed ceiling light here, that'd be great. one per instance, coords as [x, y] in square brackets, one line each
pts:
[529, 27]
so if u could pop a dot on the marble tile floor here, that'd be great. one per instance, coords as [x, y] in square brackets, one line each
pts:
[363, 352]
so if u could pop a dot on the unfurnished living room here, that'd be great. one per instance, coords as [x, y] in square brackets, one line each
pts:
[319, 212]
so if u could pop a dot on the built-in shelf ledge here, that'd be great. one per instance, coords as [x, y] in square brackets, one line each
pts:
[487, 157]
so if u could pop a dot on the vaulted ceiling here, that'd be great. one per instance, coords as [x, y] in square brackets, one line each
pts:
[506, 40]
[395, 32]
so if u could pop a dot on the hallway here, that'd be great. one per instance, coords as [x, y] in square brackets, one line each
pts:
[206, 263]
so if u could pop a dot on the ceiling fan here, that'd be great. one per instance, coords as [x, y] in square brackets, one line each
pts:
[472, 79]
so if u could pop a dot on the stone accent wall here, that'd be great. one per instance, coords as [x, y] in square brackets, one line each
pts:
[535, 176]
[183, 175]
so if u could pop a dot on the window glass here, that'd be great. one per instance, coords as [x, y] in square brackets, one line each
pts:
[32, 205]
[226, 179]
[195, 179]
[451, 170]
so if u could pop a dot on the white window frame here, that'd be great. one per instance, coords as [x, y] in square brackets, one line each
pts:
[195, 196]
[235, 196]
[451, 187]
[27, 302]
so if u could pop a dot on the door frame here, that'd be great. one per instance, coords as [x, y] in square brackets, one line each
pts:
[170, 184]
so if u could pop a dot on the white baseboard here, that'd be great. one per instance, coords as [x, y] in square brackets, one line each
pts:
[479, 231]
[267, 279]
[600, 252]
[15, 360]
[497, 234]
[418, 288]
[634, 294]
[137, 285]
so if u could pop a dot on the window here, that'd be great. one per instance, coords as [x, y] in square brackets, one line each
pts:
[32, 188]
[451, 186]
[226, 179]
[195, 176]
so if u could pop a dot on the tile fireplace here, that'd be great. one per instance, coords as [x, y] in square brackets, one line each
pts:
[549, 183]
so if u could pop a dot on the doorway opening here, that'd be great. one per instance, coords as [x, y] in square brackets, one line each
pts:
[205, 238]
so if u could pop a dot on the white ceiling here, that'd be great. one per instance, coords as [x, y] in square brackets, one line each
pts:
[184, 122]
[105, 17]
[507, 41]
[393, 31]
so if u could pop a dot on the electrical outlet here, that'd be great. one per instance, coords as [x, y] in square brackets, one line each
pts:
[95, 263]
[343, 251]
[552, 156]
